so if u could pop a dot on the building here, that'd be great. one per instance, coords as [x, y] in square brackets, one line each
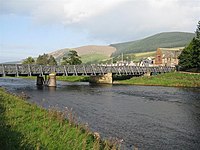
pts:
[146, 62]
[167, 56]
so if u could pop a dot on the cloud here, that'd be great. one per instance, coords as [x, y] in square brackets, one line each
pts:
[110, 20]
[68, 11]
[132, 19]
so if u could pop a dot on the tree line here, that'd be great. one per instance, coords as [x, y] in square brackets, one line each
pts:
[45, 59]
[189, 59]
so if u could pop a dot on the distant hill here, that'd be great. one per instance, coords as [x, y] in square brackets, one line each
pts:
[89, 54]
[165, 39]
[90, 49]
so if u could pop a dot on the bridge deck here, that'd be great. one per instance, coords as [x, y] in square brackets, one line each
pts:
[77, 70]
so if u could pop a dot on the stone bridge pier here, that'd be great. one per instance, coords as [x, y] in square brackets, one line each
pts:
[40, 80]
[50, 81]
[102, 79]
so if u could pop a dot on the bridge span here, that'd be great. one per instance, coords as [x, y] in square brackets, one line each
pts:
[78, 70]
[97, 72]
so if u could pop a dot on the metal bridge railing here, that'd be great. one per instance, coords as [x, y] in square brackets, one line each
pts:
[68, 70]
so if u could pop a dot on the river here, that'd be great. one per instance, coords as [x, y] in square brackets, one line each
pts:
[151, 117]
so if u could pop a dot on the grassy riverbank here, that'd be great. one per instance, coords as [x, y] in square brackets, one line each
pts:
[64, 78]
[73, 78]
[168, 79]
[27, 126]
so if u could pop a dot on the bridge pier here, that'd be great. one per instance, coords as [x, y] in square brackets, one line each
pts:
[147, 74]
[102, 79]
[40, 80]
[45, 79]
[52, 80]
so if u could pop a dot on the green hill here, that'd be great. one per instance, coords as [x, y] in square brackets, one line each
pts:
[93, 58]
[165, 39]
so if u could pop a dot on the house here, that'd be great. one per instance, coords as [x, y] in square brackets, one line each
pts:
[167, 56]
[146, 62]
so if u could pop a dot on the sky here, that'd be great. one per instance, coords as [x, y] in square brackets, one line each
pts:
[33, 27]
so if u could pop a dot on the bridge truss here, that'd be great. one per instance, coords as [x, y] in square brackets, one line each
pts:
[78, 70]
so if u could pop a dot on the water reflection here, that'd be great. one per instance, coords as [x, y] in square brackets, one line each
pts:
[52, 89]
[40, 87]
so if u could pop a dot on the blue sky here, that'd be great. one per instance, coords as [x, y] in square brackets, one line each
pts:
[21, 38]
[33, 27]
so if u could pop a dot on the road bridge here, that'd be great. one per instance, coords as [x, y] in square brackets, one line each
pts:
[95, 71]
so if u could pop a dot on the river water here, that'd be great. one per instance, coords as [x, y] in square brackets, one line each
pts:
[151, 117]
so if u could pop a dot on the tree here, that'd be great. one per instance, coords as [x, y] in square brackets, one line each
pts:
[185, 59]
[45, 59]
[190, 56]
[198, 30]
[42, 59]
[72, 58]
[29, 60]
[52, 61]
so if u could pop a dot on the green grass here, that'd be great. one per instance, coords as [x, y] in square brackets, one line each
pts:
[168, 79]
[93, 58]
[27, 126]
[64, 78]
[145, 54]
[136, 57]
[73, 78]
[26, 77]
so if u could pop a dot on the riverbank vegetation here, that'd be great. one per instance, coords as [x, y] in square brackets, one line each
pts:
[175, 79]
[28, 126]
[73, 78]
[63, 78]
[189, 59]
